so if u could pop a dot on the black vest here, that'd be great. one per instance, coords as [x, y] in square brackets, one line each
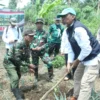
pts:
[76, 49]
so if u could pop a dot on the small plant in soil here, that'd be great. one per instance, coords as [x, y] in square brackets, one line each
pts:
[95, 95]
[59, 95]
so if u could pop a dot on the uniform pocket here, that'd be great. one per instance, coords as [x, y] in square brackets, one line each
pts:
[93, 73]
[93, 70]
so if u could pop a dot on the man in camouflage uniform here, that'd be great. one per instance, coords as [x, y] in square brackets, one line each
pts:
[17, 56]
[54, 37]
[39, 49]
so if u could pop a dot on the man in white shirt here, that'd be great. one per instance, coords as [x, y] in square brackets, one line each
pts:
[98, 35]
[83, 50]
[64, 51]
[11, 34]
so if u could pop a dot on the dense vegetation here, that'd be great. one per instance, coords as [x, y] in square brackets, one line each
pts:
[88, 11]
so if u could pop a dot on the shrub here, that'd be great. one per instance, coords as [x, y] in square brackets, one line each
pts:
[59, 61]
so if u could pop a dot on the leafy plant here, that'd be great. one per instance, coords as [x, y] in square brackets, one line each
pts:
[95, 95]
[24, 69]
[46, 8]
[59, 95]
[58, 62]
[13, 4]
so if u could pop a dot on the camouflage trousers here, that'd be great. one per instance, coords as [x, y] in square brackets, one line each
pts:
[44, 57]
[13, 73]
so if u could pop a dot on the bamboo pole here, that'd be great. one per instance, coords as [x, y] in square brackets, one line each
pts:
[60, 80]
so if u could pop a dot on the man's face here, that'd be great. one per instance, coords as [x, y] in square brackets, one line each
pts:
[39, 26]
[13, 26]
[68, 19]
[57, 22]
[29, 38]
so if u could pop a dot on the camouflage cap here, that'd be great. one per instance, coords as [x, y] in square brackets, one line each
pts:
[39, 20]
[29, 32]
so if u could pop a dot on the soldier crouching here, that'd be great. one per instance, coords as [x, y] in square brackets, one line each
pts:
[18, 56]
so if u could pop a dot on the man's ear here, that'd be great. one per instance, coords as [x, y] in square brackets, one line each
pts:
[73, 17]
[25, 37]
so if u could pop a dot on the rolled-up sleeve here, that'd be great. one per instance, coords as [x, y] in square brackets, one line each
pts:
[66, 47]
[98, 35]
[64, 44]
[83, 41]
[71, 54]
[20, 36]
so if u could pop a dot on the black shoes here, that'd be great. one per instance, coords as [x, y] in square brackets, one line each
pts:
[18, 94]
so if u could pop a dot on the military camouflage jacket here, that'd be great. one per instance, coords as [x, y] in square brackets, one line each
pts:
[55, 33]
[19, 54]
[40, 40]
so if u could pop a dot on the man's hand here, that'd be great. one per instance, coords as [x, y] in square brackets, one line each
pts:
[38, 48]
[62, 53]
[11, 41]
[68, 67]
[31, 68]
[76, 62]
[33, 49]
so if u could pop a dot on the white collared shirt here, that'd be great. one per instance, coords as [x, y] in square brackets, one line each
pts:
[98, 35]
[64, 45]
[11, 34]
[83, 41]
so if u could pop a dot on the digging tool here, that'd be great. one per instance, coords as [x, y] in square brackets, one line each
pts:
[60, 80]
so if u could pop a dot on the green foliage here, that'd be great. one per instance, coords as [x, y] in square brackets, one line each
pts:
[58, 62]
[46, 8]
[95, 96]
[86, 12]
[88, 16]
[31, 11]
[92, 24]
[2, 5]
[87, 9]
[24, 69]
[12, 4]
[59, 95]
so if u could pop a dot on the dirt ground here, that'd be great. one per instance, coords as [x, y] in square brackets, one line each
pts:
[26, 82]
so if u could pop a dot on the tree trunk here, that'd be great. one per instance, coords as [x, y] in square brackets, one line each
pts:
[69, 2]
[98, 9]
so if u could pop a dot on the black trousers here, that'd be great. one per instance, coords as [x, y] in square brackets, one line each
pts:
[7, 50]
[54, 48]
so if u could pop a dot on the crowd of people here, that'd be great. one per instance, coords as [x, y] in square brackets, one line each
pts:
[72, 39]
